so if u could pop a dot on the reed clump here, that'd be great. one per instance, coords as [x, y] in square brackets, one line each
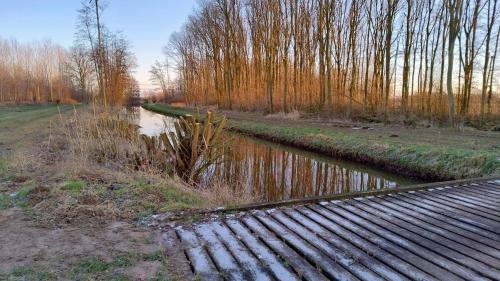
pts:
[192, 147]
[102, 136]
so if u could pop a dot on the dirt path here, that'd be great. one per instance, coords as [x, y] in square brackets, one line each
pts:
[83, 252]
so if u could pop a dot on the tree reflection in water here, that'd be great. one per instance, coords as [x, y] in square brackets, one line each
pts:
[275, 173]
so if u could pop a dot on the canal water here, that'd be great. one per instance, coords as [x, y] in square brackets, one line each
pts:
[274, 172]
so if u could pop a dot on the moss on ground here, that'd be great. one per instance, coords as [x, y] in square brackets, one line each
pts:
[432, 162]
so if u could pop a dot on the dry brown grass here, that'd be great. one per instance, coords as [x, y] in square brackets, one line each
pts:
[223, 194]
[102, 136]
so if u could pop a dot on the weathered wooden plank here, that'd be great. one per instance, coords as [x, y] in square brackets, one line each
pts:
[446, 233]
[263, 253]
[367, 260]
[201, 263]
[334, 253]
[252, 268]
[485, 190]
[462, 200]
[460, 205]
[477, 194]
[328, 266]
[462, 245]
[432, 210]
[225, 262]
[299, 264]
[443, 256]
[486, 198]
[418, 264]
[443, 208]
[492, 246]
[466, 200]
[492, 186]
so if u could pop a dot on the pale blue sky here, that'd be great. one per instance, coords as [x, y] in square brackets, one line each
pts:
[147, 24]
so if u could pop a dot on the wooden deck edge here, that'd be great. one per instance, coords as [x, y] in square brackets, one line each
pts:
[350, 195]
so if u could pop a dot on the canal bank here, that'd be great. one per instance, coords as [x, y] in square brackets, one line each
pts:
[417, 153]
[272, 172]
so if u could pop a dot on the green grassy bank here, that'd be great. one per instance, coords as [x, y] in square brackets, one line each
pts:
[430, 162]
[18, 115]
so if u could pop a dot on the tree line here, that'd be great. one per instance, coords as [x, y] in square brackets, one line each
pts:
[33, 72]
[431, 59]
[97, 68]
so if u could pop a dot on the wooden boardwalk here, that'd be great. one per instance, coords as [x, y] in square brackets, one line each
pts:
[446, 233]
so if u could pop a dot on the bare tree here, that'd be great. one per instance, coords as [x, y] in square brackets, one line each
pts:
[160, 76]
[455, 12]
[81, 70]
[490, 22]
[392, 6]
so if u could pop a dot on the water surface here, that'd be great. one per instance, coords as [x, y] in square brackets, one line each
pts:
[274, 172]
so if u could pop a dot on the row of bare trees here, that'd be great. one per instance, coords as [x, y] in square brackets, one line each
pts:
[98, 68]
[430, 58]
[33, 72]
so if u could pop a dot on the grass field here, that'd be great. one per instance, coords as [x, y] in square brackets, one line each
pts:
[427, 153]
[18, 122]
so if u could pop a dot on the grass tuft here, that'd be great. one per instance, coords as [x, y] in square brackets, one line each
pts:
[74, 186]
[28, 273]
[24, 192]
[156, 256]
[22, 271]
[91, 265]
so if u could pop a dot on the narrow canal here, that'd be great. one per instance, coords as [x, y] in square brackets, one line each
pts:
[274, 172]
